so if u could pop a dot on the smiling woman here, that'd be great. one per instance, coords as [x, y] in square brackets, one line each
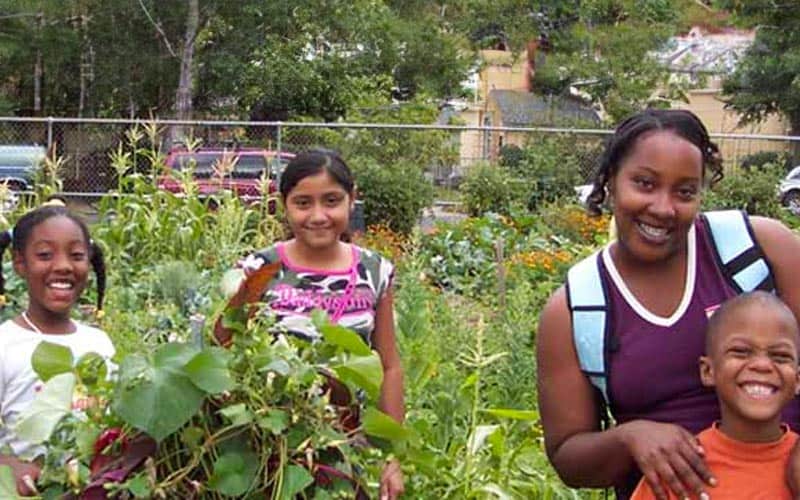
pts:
[634, 351]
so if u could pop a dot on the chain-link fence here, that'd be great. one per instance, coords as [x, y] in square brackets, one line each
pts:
[445, 153]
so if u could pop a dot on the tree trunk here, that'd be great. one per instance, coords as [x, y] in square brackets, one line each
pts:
[183, 98]
[37, 68]
[87, 64]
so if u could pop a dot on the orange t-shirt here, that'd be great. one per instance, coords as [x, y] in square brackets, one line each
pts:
[753, 471]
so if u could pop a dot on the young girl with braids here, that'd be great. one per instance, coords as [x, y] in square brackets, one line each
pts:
[52, 252]
[662, 278]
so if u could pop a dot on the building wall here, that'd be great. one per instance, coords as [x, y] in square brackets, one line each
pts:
[708, 106]
[502, 71]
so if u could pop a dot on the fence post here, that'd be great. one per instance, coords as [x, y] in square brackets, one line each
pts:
[50, 134]
[499, 257]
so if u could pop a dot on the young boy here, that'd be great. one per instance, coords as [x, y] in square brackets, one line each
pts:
[752, 362]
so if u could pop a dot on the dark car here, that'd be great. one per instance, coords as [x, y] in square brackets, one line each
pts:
[215, 169]
[18, 165]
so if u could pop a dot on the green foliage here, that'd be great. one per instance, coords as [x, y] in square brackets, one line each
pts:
[759, 159]
[393, 194]
[271, 60]
[469, 394]
[489, 188]
[273, 395]
[753, 190]
[552, 166]
[764, 81]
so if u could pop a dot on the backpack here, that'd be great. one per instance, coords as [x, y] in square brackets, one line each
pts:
[737, 254]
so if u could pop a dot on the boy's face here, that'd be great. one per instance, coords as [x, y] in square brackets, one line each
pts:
[752, 363]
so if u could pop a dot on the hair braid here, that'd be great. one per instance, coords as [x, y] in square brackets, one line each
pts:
[5, 242]
[99, 266]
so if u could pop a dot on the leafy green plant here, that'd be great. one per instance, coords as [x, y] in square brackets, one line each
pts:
[753, 190]
[489, 188]
[760, 158]
[255, 419]
[393, 195]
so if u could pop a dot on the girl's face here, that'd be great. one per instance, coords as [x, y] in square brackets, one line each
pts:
[55, 265]
[656, 195]
[318, 209]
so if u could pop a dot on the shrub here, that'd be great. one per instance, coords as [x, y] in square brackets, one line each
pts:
[551, 166]
[393, 195]
[511, 156]
[489, 188]
[753, 190]
[757, 160]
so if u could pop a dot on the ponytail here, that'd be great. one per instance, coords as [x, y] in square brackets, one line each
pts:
[5, 242]
[99, 267]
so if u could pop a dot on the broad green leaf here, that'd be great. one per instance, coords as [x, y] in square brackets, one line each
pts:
[154, 393]
[378, 424]
[208, 370]
[8, 485]
[365, 372]
[513, 414]
[348, 340]
[231, 281]
[478, 437]
[91, 369]
[319, 318]
[51, 404]
[275, 421]
[279, 366]
[497, 441]
[175, 355]
[238, 414]
[85, 437]
[54, 492]
[51, 359]
[234, 472]
[295, 480]
[192, 437]
[139, 486]
[234, 318]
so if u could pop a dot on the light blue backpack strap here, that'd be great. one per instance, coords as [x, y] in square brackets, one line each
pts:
[588, 308]
[738, 253]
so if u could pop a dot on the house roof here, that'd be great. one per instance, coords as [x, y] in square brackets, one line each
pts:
[701, 52]
[520, 108]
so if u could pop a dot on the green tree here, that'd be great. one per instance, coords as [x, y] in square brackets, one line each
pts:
[767, 79]
[604, 48]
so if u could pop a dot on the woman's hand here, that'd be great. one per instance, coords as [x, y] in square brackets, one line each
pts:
[391, 481]
[668, 455]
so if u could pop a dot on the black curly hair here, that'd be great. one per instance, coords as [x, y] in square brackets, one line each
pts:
[681, 122]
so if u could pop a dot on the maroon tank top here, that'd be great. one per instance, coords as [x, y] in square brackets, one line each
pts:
[653, 372]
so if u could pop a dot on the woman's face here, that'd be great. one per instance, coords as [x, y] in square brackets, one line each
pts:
[656, 195]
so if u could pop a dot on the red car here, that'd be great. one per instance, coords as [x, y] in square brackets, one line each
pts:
[214, 169]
